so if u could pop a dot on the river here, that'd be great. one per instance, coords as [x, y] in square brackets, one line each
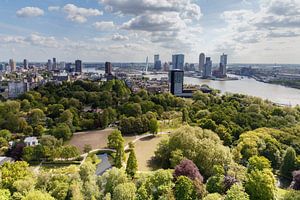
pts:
[248, 86]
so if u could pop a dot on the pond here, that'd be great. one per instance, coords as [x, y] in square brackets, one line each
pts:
[104, 165]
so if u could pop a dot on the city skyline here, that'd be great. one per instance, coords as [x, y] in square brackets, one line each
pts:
[260, 31]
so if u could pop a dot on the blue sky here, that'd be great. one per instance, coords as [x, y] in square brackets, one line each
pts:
[250, 31]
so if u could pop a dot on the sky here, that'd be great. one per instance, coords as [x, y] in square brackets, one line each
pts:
[249, 31]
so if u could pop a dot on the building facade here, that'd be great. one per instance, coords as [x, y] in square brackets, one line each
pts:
[207, 68]
[176, 78]
[201, 62]
[178, 61]
[78, 66]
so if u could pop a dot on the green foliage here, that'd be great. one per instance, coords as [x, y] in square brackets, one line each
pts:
[236, 192]
[4, 194]
[292, 195]
[132, 165]
[215, 184]
[62, 131]
[184, 189]
[12, 172]
[259, 142]
[203, 147]
[110, 179]
[36, 194]
[214, 196]
[153, 126]
[116, 141]
[260, 185]
[6, 134]
[124, 191]
[258, 163]
[87, 148]
[289, 163]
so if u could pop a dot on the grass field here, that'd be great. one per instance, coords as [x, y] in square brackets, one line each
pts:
[145, 149]
[97, 139]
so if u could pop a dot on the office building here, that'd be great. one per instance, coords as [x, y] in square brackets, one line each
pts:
[166, 67]
[62, 65]
[176, 81]
[54, 64]
[201, 62]
[157, 63]
[178, 61]
[223, 65]
[207, 68]
[12, 65]
[16, 88]
[78, 66]
[25, 64]
[108, 68]
[49, 65]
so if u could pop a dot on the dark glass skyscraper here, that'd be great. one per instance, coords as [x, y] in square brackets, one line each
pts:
[78, 66]
[176, 81]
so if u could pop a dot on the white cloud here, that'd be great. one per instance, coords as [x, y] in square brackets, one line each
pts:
[118, 37]
[274, 21]
[104, 25]
[78, 14]
[53, 8]
[30, 12]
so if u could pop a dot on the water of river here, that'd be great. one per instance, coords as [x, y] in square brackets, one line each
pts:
[248, 86]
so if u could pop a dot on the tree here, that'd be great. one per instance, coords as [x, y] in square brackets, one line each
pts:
[36, 194]
[110, 179]
[11, 172]
[4, 194]
[132, 166]
[184, 189]
[124, 191]
[260, 185]
[66, 117]
[288, 163]
[203, 147]
[185, 116]
[291, 195]
[189, 169]
[258, 163]
[62, 131]
[69, 151]
[215, 184]
[115, 139]
[236, 192]
[213, 196]
[36, 116]
[6, 134]
[176, 158]
[87, 148]
[153, 126]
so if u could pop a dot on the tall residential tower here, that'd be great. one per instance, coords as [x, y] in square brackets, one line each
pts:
[201, 62]
[178, 61]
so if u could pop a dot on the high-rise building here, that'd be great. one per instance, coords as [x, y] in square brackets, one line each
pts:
[78, 66]
[54, 64]
[25, 64]
[176, 81]
[108, 68]
[157, 63]
[49, 65]
[223, 65]
[166, 67]
[12, 65]
[207, 68]
[178, 61]
[201, 62]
